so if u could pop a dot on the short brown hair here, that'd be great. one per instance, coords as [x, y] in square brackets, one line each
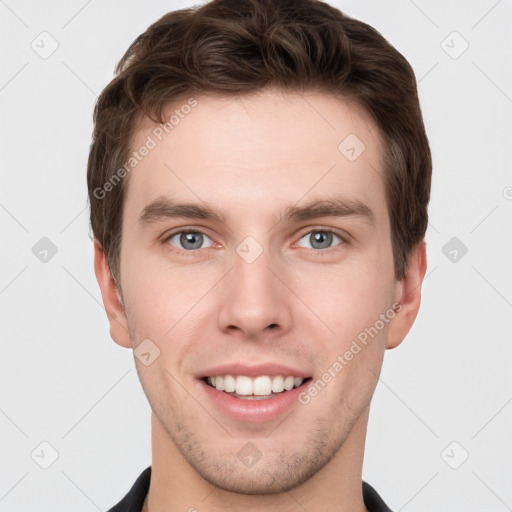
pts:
[237, 47]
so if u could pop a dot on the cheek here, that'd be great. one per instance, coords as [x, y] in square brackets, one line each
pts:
[160, 382]
[348, 299]
[159, 295]
[351, 302]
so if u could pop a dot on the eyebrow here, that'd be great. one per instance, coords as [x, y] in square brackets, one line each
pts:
[164, 208]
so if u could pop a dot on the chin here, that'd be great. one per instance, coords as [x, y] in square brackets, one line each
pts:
[257, 480]
[279, 468]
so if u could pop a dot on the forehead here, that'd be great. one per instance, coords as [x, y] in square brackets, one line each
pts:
[258, 152]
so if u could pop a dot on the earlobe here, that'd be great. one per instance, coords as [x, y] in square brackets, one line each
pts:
[408, 295]
[112, 301]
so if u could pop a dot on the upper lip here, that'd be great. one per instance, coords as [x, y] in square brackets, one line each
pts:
[270, 369]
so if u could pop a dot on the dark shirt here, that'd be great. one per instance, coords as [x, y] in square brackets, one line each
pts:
[134, 500]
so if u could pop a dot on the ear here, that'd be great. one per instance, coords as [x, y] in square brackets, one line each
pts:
[408, 296]
[116, 315]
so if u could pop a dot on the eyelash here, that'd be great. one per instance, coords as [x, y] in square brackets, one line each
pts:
[193, 252]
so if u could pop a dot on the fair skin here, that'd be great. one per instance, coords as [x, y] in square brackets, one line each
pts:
[299, 304]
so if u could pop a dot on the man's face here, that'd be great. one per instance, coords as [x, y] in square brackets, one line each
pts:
[259, 293]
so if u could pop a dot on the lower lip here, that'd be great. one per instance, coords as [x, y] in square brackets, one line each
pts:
[253, 410]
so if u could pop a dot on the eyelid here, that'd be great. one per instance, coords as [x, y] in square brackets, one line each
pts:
[185, 229]
[342, 234]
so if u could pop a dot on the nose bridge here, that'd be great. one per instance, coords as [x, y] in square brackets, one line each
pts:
[254, 297]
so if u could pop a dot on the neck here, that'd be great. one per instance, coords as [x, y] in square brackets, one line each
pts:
[176, 486]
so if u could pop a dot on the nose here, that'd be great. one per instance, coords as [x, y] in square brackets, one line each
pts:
[255, 301]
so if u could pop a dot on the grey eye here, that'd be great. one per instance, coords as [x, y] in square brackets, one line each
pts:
[320, 239]
[188, 240]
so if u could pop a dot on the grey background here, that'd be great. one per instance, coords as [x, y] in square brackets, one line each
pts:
[63, 381]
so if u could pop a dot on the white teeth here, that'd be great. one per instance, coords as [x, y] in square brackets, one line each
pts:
[244, 385]
[262, 386]
[229, 384]
[289, 383]
[219, 383]
[258, 386]
[277, 384]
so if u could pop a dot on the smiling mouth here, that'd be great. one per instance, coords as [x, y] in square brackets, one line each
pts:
[258, 388]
